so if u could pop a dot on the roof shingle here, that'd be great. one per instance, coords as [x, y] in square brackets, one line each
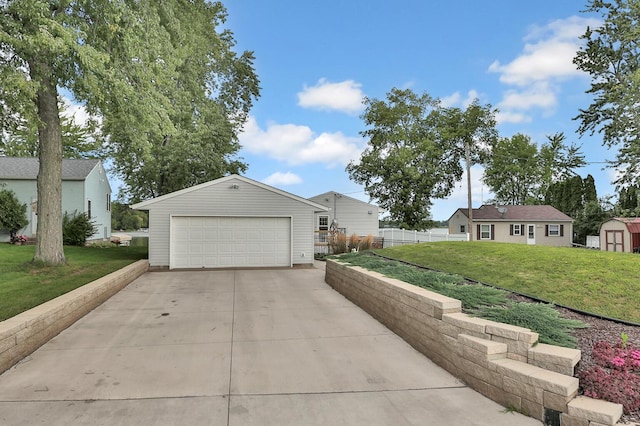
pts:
[513, 213]
[27, 168]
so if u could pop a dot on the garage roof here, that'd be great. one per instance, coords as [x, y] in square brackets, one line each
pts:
[144, 205]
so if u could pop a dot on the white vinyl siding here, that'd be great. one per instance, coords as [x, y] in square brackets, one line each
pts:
[356, 216]
[224, 199]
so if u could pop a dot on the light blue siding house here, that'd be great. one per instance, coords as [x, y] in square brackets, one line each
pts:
[85, 189]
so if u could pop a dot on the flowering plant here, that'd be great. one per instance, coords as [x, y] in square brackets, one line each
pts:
[19, 239]
[616, 377]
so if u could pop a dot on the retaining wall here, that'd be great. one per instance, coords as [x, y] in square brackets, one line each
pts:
[26, 332]
[502, 362]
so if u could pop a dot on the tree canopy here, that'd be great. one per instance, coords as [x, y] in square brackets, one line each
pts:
[520, 172]
[611, 56]
[162, 76]
[415, 152]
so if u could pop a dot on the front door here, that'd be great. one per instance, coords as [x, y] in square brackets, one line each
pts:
[531, 234]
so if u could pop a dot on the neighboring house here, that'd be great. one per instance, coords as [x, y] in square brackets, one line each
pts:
[352, 216]
[621, 234]
[231, 222]
[85, 189]
[544, 225]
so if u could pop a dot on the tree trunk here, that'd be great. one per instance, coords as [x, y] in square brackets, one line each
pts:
[49, 249]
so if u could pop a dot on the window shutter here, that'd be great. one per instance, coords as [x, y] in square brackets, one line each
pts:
[511, 229]
[562, 230]
[478, 232]
[546, 230]
[522, 229]
[493, 232]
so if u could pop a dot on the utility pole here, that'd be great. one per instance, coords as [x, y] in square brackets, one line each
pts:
[467, 149]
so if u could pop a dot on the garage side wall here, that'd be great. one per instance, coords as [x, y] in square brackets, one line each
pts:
[231, 198]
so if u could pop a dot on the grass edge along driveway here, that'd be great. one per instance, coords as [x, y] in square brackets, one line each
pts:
[24, 285]
[600, 282]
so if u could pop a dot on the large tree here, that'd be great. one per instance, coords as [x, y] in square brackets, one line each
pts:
[149, 68]
[407, 161]
[611, 55]
[520, 172]
[470, 132]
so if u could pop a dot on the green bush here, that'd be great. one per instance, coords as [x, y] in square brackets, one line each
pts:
[13, 215]
[539, 317]
[76, 229]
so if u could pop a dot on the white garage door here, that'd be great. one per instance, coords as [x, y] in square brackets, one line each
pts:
[223, 242]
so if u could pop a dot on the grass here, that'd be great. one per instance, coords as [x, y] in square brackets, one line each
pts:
[601, 282]
[25, 285]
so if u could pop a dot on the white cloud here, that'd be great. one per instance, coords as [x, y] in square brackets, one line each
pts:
[512, 117]
[295, 144]
[282, 179]
[345, 96]
[535, 96]
[456, 99]
[76, 111]
[546, 60]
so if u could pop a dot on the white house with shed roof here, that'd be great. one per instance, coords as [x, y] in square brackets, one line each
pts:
[538, 224]
[231, 222]
[85, 189]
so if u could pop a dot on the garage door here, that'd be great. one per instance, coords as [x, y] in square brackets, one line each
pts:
[223, 242]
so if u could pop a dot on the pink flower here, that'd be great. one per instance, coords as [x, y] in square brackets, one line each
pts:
[635, 355]
[617, 361]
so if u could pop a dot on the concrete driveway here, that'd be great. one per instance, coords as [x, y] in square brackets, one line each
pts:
[246, 347]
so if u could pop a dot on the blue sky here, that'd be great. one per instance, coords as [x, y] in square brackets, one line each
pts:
[316, 61]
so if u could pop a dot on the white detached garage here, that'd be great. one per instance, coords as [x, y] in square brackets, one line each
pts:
[231, 222]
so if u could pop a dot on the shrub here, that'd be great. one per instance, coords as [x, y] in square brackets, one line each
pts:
[616, 377]
[337, 242]
[76, 229]
[353, 242]
[13, 215]
[539, 317]
[366, 243]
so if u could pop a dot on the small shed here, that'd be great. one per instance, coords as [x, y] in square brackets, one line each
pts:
[621, 234]
[231, 222]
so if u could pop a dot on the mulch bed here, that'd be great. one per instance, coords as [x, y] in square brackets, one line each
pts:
[598, 330]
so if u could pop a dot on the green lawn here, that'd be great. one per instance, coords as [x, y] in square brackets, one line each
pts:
[24, 285]
[601, 282]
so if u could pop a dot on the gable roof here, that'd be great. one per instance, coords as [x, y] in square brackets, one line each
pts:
[143, 205]
[632, 223]
[26, 168]
[517, 213]
[331, 194]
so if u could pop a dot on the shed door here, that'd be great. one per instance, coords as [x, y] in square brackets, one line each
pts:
[229, 242]
[615, 240]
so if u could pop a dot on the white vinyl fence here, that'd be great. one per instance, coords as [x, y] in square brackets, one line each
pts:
[397, 237]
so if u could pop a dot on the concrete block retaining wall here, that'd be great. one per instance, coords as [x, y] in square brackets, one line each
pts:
[503, 362]
[26, 332]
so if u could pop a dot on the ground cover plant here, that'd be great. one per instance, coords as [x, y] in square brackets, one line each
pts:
[25, 285]
[595, 281]
[477, 300]
[583, 279]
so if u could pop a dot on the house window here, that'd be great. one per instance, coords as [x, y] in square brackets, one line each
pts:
[485, 232]
[108, 202]
[553, 231]
[462, 229]
[517, 229]
[323, 228]
[89, 208]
